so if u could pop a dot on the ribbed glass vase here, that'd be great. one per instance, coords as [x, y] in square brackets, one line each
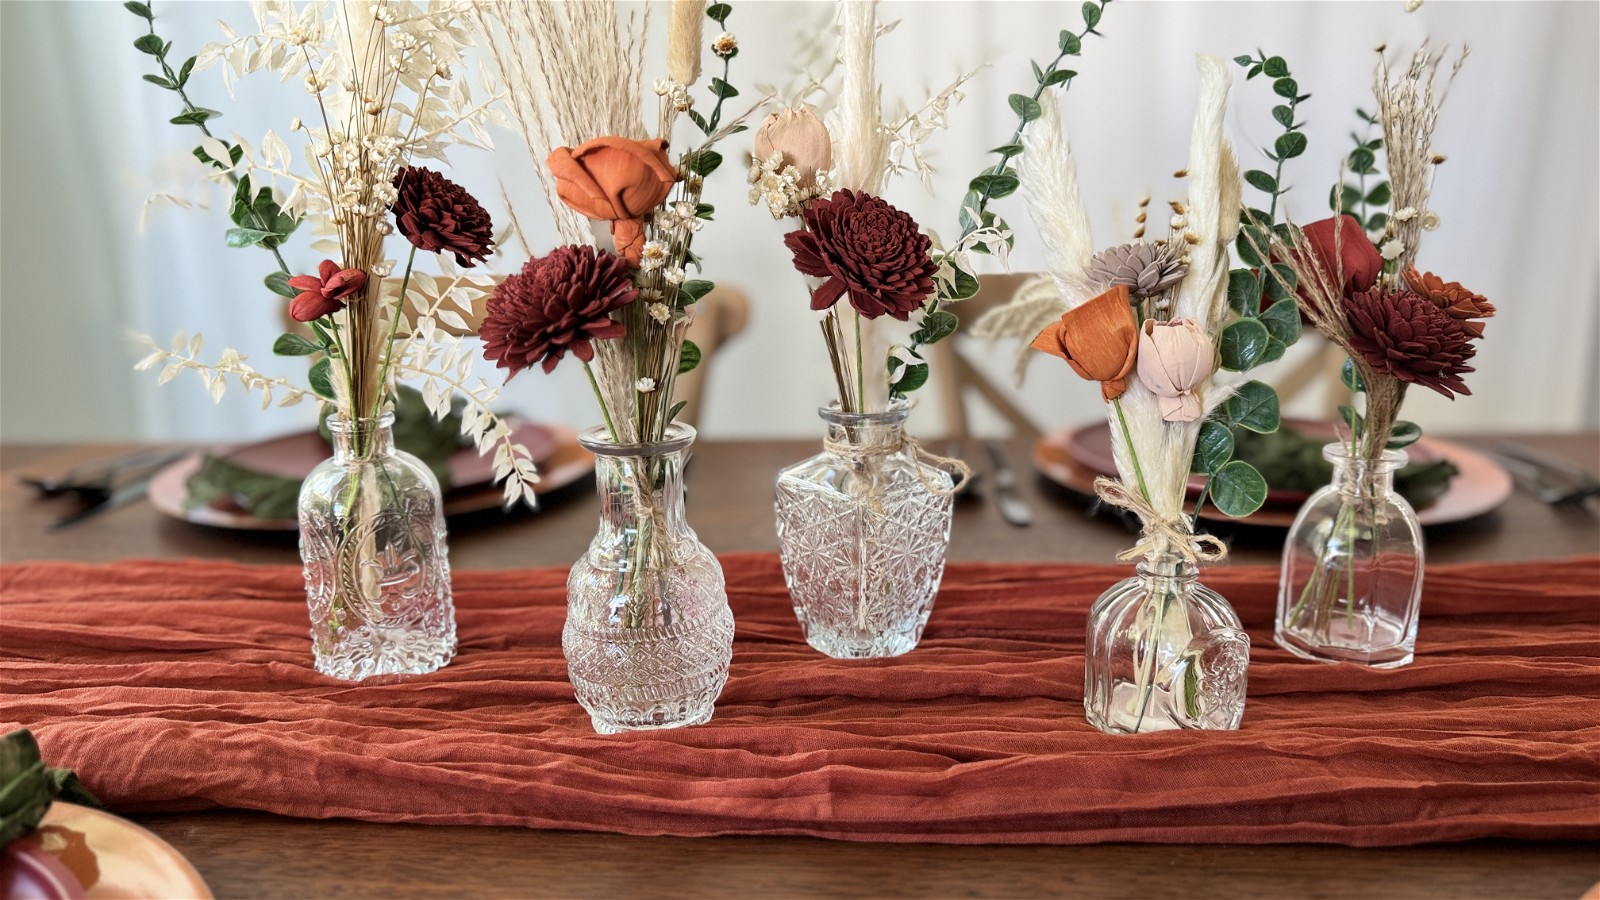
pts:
[377, 572]
[863, 528]
[1164, 651]
[649, 633]
[1351, 586]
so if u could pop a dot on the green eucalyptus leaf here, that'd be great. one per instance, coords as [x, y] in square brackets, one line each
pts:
[704, 162]
[197, 116]
[1274, 352]
[1024, 106]
[1091, 14]
[1283, 115]
[1008, 149]
[321, 379]
[183, 73]
[688, 357]
[1289, 145]
[1275, 67]
[1059, 76]
[159, 81]
[693, 289]
[148, 43]
[1379, 194]
[1253, 406]
[294, 345]
[1378, 221]
[916, 375]
[1280, 281]
[718, 12]
[1404, 435]
[1244, 60]
[1238, 489]
[1261, 181]
[1242, 345]
[1283, 320]
[1285, 87]
[723, 90]
[247, 237]
[1244, 294]
[139, 9]
[1250, 237]
[1213, 447]
[936, 326]
[1351, 376]
[1361, 160]
[1069, 43]
[1352, 419]
[676, 408]
[1254, 71]
[278, 283]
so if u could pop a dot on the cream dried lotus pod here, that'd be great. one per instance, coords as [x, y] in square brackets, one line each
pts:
[1147, 269]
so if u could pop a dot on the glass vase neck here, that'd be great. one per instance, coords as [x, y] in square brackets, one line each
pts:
[363, 438]
[641, 489]
[1355, 474]
[1169, 568]
[884, 429]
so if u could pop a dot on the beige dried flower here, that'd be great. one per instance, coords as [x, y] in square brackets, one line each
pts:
[1147, 269]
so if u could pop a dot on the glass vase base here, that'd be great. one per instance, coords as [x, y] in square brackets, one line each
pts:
[862, 646]
[694, 710]
[1161, 711]
[370, 651]
[1376, 644]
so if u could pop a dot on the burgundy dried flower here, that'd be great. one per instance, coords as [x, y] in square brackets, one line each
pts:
[557, 303]
[1348, 256]
[1405, 335]
[865, 248]
[325, 293]
[439, 216]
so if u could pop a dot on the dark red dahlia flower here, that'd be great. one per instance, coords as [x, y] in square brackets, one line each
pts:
[867, 249]
[326, 292]
[557, 303]
[437, 215]
[1405, 335]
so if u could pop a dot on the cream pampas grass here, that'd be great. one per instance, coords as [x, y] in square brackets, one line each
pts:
[1049, 178]
[860, 146]
[1213, 211]
[683, 40]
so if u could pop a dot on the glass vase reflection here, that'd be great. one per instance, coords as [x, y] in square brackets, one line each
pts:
[649, 633]
[1351, 584]
[1163, 651]
[863, 528]
[372, 540]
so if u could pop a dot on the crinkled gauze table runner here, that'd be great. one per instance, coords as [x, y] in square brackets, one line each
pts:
[180, 685]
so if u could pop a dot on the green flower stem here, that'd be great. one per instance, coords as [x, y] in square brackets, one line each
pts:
[394, 326]
[1127, 438]
[1205, 490]
[605, 411]
[861, 370]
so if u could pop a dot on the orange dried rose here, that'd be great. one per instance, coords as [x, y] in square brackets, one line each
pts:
[1099, 340]
[1451, 297]
[615, 179]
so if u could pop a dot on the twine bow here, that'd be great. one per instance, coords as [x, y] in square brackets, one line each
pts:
[922, 459]
[1161, 534]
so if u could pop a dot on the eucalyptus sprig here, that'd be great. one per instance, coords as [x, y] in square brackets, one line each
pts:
[982, 230]
[258, 219]
[1367, 206]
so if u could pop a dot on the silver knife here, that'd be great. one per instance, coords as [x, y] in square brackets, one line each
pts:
[1007, 497]
[122, 496]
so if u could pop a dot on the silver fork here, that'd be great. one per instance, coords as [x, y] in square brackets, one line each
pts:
[1551, 479]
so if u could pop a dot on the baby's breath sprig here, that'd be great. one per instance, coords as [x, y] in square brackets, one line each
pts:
[1368, 207]
[981, 230]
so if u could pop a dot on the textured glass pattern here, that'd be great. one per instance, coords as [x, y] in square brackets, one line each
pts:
[372, 540]
[649, 634]
[1351, 586]
[1163, 651]
[863, 528]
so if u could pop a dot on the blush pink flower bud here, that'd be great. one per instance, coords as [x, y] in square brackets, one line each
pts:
[802, 139]
[1174, 358]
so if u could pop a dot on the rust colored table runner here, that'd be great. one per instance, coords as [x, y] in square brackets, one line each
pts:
[188, 685]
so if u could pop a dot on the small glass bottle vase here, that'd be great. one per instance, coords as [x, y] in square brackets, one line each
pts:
[649, 633]
[377, 572]
[1351, 585]
[863, 527]
[1163, 651]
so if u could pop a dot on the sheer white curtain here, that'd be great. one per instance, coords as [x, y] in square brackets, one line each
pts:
[85, 141]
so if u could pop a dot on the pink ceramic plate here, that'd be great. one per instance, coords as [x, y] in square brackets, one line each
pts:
[83, 852]
[1481, 486]
[555, 449]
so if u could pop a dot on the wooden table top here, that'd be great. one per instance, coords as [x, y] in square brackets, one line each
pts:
[730, 505]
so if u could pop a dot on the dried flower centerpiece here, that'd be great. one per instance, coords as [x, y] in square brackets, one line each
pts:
[863, 526]
[1351, 586]
[1150, 321]
[649, 634]
[380, 75]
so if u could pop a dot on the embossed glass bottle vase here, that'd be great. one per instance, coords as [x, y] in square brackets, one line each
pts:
[372, 539]
[1163, 651]
[649, 634]
[1351, 585]
[863, 527]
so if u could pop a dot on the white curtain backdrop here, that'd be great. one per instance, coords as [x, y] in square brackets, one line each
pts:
[85, 141]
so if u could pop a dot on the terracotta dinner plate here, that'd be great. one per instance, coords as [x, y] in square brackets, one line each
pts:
[83, 852]
[1075, 457]
[554, 449]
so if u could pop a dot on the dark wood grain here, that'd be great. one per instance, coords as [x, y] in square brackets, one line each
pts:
[730, 484]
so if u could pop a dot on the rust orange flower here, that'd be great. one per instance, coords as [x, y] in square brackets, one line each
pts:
[1099, 340]
[1354, 261]
[326, 292]
[617, 180]
[1454, 299]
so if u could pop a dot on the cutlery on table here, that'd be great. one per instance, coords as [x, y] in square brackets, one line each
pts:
[1551, 479]
[1007, 496]
[95, 480]
[113, 499]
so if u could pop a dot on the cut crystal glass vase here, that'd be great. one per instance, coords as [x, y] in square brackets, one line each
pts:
[377, 573]
[1351, 586]
[649, 633]
[863, 527]
[1163, 651]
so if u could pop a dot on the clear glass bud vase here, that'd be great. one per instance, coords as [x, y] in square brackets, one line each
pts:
[649, 634]
[377, 571]
[1351, 585]
[863, 527]
[1163, 651]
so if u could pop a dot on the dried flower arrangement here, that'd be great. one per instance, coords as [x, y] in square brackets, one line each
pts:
[377, 110]
[617, 295]
[854, 245]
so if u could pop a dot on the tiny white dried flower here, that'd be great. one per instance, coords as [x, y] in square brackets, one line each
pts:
[1406, 214]
[383, 267]
[1413, 5]
[1430, 220]
[646, 385]
[652, 256]
[673, 275]
[660, 312]
[295, 124]
[724, 45]
[1392, 249]
[685, 210]
[441, 69]
[1178, 222]
[663, 86]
